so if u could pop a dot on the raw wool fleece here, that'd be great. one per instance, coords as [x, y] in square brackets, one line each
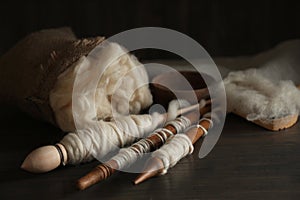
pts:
[251, 94]
[108, 86]
[268, 91]
[31, 68]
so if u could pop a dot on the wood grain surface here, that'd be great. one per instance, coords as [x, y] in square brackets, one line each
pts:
[248, 162]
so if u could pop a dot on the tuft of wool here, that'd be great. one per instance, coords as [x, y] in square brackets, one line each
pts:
[252, 94]
[130, 97]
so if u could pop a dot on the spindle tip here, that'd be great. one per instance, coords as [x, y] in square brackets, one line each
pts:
[80, 185]
[43, 159]
[99, 173]
[154, 167]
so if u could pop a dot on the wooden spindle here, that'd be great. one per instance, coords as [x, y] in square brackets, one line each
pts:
[155, 166]
[105, 170]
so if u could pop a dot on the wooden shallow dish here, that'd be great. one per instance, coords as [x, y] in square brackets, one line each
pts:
[188, 85]
[275, 124]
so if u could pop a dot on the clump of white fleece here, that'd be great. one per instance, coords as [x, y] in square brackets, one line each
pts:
[250, 93]
[131, 95]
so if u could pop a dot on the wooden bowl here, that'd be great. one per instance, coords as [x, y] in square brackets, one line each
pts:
[188, 85]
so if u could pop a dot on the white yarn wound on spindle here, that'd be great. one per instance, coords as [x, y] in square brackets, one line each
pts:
[176, 148]
[180, 123]
[103, 137]
[162, 134]
[129, 155]
[179, 146]
[203, 129]
[204, 118]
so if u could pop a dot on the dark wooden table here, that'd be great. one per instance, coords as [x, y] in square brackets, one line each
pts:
[248, 162]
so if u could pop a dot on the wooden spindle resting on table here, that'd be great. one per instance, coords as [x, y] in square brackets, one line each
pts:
[155, 166]
[153, 142]
[49, 157]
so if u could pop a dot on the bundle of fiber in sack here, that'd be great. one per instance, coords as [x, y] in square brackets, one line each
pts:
[39, 71]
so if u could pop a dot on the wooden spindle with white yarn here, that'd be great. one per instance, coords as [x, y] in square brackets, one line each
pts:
[49, 157]
[163, 158]
[128, 156]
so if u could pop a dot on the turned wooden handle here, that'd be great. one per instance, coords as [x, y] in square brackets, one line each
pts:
[195, 134]
[99, 173]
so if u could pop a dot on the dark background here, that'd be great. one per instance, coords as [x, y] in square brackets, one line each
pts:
[247, 163]
[224, 28]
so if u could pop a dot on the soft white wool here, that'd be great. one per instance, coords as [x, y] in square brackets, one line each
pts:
[268, 91]
[253, 95]
[109, 85]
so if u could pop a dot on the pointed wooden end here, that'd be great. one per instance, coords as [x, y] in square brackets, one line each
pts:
[154, 167]
[41, 160]
[99, 173]
[89, 180]
[82, 185]
[144, 176]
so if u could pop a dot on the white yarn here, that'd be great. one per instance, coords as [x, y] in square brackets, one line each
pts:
[180, 123]
[128, 156]
[179, 146]
[176, 148]
[203, 129]
[103, 137]
[162, 134]
[211, 123]
[205, 132]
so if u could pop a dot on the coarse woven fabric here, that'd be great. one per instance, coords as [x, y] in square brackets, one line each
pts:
[30, 68]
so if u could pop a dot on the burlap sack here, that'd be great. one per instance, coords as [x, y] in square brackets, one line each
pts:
[29, 70]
